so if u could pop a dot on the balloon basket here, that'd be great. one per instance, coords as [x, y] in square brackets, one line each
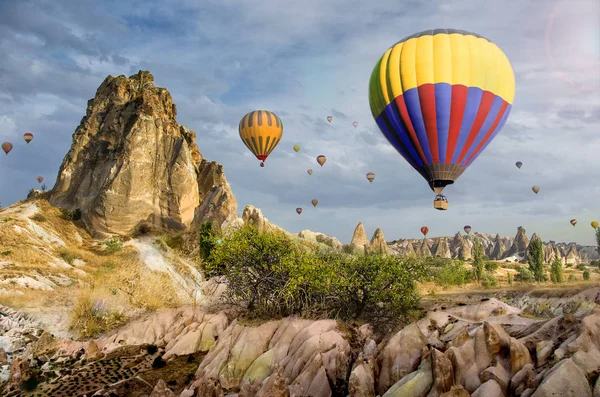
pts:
[440, 203]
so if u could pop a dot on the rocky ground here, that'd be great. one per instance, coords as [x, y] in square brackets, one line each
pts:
[508, 344]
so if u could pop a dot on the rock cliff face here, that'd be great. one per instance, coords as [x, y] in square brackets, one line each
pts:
[131, 162]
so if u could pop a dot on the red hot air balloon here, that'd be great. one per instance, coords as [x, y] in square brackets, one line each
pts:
[299, 210]
[28, 136]
[425, 230]
[40, 179]
[7, 147]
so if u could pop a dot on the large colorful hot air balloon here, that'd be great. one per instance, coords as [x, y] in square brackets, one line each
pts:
[299, 210]
[440, 97]
[519, 164]
[535, 189]
[370, 176]
[309, 171]
[594, 224]
[28, 136]
[329, 118]
[314, 202]
[296, 148]
[261, 131]
[467, 229]
[424, 230]
[321, 160]
[355, 124]
[7, 147]
[40, 179]
[573, 222]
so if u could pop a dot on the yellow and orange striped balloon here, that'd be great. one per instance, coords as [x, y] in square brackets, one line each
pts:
[261, 131]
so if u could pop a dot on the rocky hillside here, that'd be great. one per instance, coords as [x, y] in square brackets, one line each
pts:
[132, 164]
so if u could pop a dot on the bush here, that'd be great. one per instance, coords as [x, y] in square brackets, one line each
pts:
[39, 217]
[556, 271]
[89, 317]
[488, 280]
[270, 275]
[113, 245]
[207, 241]
[174, 242]
[73, 214]
[510, 278]
[524, 274]
[572, 277]
[595, 263]
[586, 275]
[491, 266]
[581, 267]
[452, 274]
[67, 256]
[535, 259]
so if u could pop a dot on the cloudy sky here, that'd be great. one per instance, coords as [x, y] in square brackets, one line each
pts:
[306, 60]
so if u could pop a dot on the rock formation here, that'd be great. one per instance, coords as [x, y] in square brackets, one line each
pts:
[499, 249]
[378, 244]
[442, 250]
[519, 245]
[131, 162]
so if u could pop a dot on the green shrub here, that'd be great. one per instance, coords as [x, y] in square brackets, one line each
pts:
[535, 259]
[586, 275]
[6, 253]
[488, 280]
[38, 217]
[556, 271]
[595, 263]
[452, 274]
[174, 242]
[270, 275]
[73, 214]
[207, 241]
[67, 256]
[524, 274]
[491, 266]
[572, 277]
[510, 278]
[113, 245]
[581, 267]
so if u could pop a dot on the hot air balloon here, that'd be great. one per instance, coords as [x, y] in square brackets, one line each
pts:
[40, 179]
[321, 160]
[355, 124]
[314, 202]
[296, 148]
[28, 136]
[594, 224]
[329, 118]
[519, 164]
[299, 210]
[573, 222]
[467, 229]
[370, 176]
[7, 147]
[309, 171]
[261, 131]
[440, 97]
[535, 189]
[425, 230]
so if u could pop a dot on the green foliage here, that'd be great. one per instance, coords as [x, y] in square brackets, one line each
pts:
[586, 275]
[488, 280]
[271, 275]
[454, 273]
[572, 277]
[38, 217]
[174, 242]
[67, 256]
[207, 241]
[556, 271]
[524, 274]
[581, 267]
[491, 266]
[113, 245]
[510, 278]
[478, 261]
[535, 259]
[6, 253]
[595, 263]
[73, 214]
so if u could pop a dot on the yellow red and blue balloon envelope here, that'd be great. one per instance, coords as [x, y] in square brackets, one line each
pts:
[261, 131]
[440, 97]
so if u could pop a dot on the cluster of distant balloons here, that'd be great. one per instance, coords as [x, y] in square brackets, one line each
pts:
[7, 147]
[438, 96]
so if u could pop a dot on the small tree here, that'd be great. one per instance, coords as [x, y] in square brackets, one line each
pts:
[478, 264]
[206, 240]
[556, 271]
[535, 259]
[586, 275]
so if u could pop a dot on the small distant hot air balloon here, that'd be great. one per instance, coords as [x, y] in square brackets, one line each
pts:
[329, 118]
[467, 229]
[28, 136]
[535, 189]
[425, 230]
[314, 202]
[296, 148]
[519, 164]
[370, 176]
[355, 124]
[309, 171]
[594, 224]
[321, 160]
[7, 147]
[40, 179]
[573, 222]
[299, 210]
[261, 131]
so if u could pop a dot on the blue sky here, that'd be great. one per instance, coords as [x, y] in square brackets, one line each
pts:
[304, 61]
